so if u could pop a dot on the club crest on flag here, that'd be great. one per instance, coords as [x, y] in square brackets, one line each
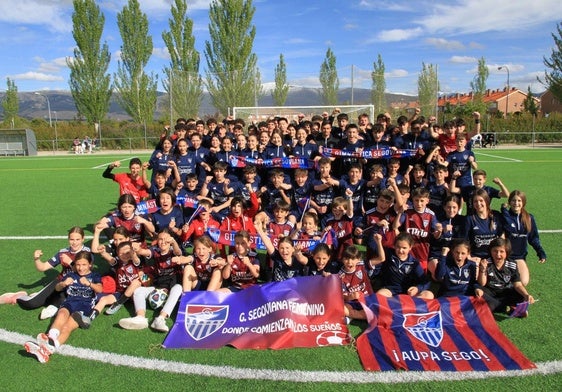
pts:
[201, 321]
[426, 327]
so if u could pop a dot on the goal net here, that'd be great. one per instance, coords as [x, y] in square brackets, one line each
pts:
[256, 114]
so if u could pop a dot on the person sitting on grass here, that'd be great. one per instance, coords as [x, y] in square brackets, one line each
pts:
[402, 273]
[64, 257]
[500, 282]
[129, 275]
[456, 273]
[203, 269]
[81, 286]
[355, 280]
[167, 274]
[286, 261]
[242, 266]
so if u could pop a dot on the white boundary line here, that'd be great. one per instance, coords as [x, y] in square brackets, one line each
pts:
[105, 164]
[499, 157]
[234, 373]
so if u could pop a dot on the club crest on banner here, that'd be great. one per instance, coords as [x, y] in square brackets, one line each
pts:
[201, 321]
[426, 327]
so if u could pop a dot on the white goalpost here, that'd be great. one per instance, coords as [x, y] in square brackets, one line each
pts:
[256, 114]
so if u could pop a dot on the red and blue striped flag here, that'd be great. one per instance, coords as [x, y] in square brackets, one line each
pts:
[444, 334]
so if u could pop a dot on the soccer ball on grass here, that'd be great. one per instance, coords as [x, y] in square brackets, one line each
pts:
[157, 298]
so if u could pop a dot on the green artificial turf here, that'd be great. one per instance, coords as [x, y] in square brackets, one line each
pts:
[45, 196]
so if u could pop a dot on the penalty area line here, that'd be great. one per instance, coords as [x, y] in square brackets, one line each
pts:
[230, 372]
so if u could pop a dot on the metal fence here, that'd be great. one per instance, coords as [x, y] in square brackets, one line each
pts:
[125, 144]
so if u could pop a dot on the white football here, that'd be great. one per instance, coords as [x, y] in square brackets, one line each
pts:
[157, 298]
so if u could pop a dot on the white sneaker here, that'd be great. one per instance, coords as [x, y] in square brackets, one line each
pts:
[49, 344]
[113, 308]
[137, 322]
[48, 312]
[40, 352]
[159, 324]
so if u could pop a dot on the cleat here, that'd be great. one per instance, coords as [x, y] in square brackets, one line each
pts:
[82, 321]
[113, 308]
[40, 352]
[48, 343]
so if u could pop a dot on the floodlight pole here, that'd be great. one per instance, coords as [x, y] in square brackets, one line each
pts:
[48, 107]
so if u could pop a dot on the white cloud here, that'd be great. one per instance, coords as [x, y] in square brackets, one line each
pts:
[297, 41]
[477, 16]
[51, 66]
[513, 68]
[475, 45]
[395, 35]
[462, 59]
[161, 53]
[396, 73]
[161, 7]
[442, 43]
[37, 76]
[51, 13]
[311, 81]
[380, 5]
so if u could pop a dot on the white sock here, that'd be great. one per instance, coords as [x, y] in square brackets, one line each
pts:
[54, 333]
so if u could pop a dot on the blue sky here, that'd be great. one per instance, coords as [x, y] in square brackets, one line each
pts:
[36, 38]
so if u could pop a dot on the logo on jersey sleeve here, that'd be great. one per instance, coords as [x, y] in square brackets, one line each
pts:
[202, 321]
[426, 327]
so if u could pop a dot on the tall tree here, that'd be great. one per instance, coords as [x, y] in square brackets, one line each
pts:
[478, 85]
[232, 75]
[11, 103]
[184, 85]
[136, 90]
[553, 79]
[329, 79]
[281, 90]
[530, 104]
[379, 86]
[90, 84]
[428, 86]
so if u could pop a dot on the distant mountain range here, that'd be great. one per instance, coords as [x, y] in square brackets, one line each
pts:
[33, 105]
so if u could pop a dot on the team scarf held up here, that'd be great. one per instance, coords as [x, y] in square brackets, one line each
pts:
[283, 163]
[381, 153]
[226, 237]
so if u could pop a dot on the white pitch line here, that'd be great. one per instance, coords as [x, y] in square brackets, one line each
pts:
[500, 157]
[234, 373]
[105, 164]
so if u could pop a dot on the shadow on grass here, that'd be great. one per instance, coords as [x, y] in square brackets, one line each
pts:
[49, 276]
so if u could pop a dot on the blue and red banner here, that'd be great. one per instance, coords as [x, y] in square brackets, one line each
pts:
[367, 153]
[284, 163]
[226, 237]
[444, 334]
[298, 312]
[146, 207]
